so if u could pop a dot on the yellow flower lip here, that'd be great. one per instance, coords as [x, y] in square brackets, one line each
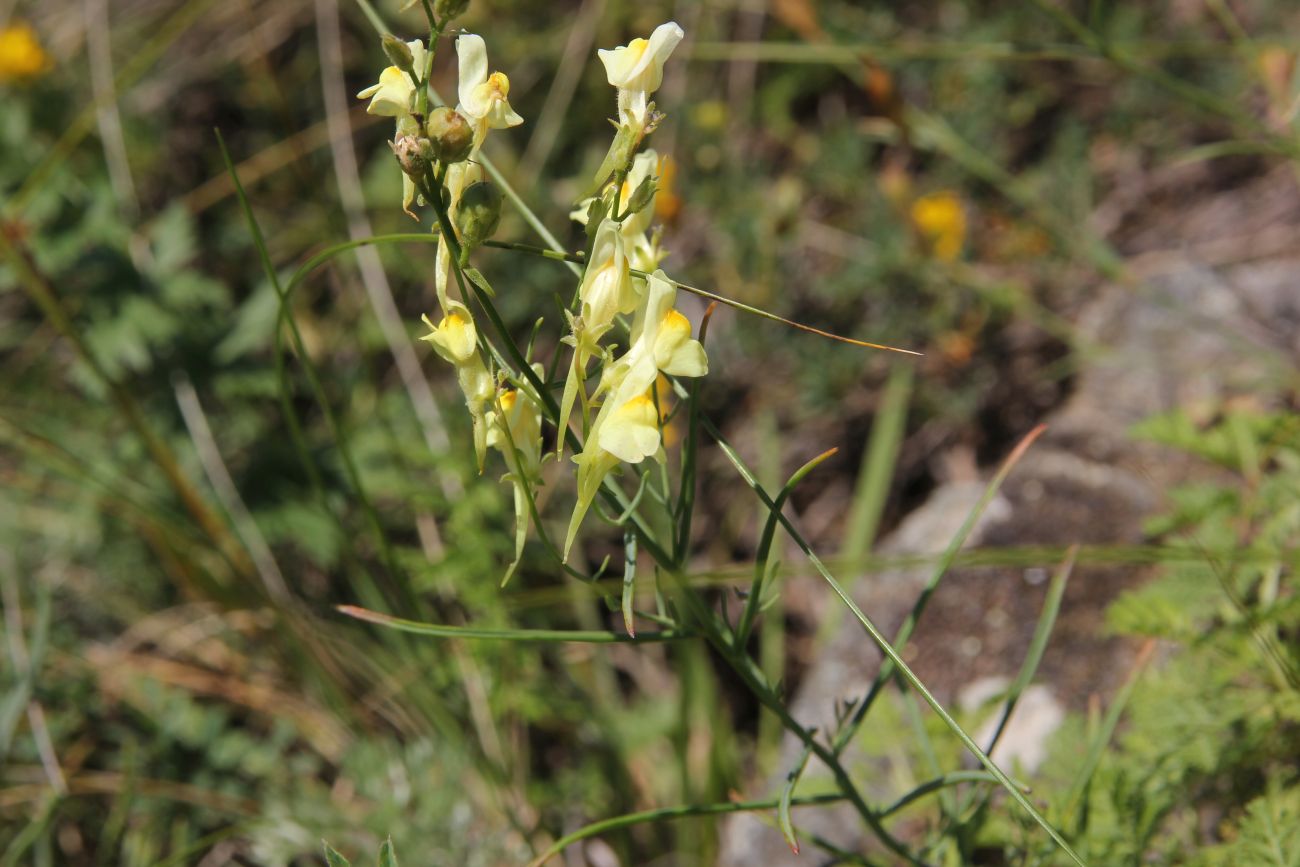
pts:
[636, 48]
[675, 323]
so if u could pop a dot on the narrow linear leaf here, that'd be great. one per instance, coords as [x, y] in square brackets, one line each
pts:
[544, 635]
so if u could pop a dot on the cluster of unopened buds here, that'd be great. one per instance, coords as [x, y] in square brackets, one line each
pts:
[619, 417]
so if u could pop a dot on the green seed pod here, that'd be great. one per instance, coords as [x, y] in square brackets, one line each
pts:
[399, 53]
[478, 214]
[449, 9]
[451, 135]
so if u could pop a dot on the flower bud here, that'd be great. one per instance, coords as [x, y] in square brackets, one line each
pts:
[478, 214]
[451, 135]
[449, 9]
[399, 53]
[641, 197]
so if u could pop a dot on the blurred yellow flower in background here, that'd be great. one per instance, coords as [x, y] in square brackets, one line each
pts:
[21, 54]
[941, 221]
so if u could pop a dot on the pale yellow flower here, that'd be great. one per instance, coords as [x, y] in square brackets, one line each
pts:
[394, 95]
[631, 434]
[455, 337]
[484, 98]
[517, 432]
[637, 69]
[607, 288]
[661, 342]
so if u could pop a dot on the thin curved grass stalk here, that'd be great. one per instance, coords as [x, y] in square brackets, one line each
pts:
[575, 636]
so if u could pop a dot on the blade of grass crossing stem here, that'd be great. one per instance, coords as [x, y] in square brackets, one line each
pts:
[893, 656]
[1038, 644]
[401, 591]
[765, 546]
[877, 470]
[941, 568]
[640, 818]
[629, 580]
[541, 635]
